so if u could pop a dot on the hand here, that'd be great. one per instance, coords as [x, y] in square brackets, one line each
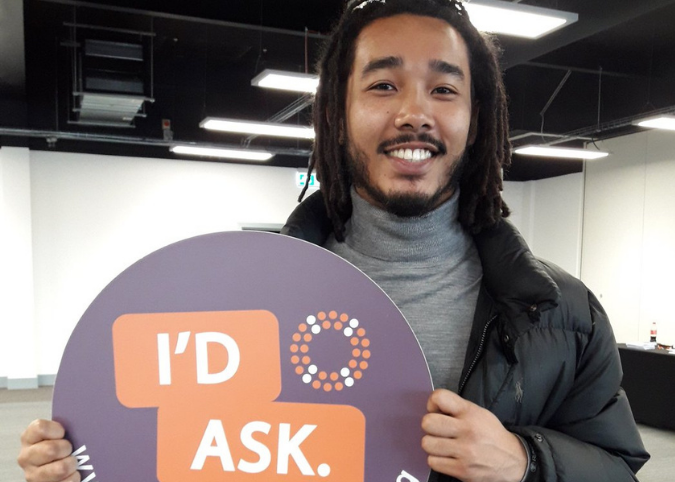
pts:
[45, 455]
[469, 443]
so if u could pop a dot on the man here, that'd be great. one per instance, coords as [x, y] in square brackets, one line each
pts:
[412, 134]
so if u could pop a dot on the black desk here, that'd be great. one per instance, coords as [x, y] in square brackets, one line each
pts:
[649, 382]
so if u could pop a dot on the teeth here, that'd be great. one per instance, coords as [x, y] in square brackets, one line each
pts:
[414, 155]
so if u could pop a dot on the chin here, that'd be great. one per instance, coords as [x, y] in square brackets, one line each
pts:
[408, 204]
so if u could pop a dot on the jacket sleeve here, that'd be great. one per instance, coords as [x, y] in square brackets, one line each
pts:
[593, 436]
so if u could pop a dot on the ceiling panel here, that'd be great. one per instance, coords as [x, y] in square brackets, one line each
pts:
[204, 55]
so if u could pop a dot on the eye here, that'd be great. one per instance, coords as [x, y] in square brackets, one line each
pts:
[382, 86]
[444, 90]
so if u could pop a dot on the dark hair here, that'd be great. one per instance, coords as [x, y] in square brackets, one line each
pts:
[480, 203]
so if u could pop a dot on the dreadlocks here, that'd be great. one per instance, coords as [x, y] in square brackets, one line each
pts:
[480, 203]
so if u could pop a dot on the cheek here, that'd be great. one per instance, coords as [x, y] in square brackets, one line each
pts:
[457, 129]
[363, 125]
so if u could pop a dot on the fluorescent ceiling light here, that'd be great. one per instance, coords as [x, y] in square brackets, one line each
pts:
[517, 20]
[279, 79]
[245, 154]
[257, 128]
[562, 152]
[662, 122]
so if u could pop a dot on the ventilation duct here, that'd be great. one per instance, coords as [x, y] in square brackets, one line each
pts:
[112, 75]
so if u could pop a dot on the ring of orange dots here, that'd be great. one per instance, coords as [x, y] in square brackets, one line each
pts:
[353, 369]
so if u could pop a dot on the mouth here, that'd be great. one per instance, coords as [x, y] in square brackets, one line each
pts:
[411, 155]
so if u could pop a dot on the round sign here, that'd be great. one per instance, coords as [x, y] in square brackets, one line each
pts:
[244, 356]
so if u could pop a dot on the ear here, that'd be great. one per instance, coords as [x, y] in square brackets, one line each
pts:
[473, 127]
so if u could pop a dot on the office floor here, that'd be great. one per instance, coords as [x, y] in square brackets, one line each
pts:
[19, 407]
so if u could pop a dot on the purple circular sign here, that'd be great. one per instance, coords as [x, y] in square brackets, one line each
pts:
[244, 356]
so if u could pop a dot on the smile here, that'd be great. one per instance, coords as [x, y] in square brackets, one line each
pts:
[414, 155]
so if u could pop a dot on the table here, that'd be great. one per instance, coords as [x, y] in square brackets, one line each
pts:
[649, 382]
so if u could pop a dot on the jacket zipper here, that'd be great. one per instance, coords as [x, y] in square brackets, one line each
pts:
[478, 353]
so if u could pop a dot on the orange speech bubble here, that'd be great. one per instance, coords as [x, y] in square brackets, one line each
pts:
[160, 357]
[288, 442]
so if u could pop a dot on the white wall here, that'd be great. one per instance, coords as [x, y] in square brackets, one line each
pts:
[69, 223]
[557, 215]
[89, 217]
[93, 216]
[548, 213]
[628, 255]
[517, 197]
[17, 323]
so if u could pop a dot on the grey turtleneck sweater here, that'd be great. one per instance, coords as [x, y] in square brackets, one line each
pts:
[429, 267]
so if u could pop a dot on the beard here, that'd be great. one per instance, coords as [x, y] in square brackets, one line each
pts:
[403, 204]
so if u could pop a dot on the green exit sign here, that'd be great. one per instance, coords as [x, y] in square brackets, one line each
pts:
[301, 179]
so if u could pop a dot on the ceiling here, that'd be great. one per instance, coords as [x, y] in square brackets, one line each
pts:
[620, 56]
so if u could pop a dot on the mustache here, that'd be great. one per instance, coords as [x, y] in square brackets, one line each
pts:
[406, 138]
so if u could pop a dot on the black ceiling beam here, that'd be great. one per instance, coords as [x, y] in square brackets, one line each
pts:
[594, 17]
[608, 73]
[186, 18]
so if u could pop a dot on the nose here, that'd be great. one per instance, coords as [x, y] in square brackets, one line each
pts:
[414, 112]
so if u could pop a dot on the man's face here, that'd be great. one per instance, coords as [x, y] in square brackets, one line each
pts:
[408, 112]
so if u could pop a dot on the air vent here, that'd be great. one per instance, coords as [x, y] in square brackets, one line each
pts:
[113, 50]
[112, 75]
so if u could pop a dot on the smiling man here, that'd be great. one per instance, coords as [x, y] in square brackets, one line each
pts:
[412, 134]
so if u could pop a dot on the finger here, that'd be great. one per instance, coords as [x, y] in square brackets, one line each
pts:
[440, 425]
[44, 452]
[40, 430]
[440, 446]
[445, 401]
[448, 465]
[64, 470]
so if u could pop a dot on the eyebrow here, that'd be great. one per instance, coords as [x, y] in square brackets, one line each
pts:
[382, 63]
[443, 67]
[392, 62]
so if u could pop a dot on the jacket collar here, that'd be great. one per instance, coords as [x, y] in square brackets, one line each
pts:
[513, 277]
[511, 273]
[309, 221]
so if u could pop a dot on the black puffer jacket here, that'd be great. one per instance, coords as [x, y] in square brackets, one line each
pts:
[541, 357]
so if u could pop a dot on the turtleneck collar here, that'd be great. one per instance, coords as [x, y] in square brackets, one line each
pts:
[382, 235]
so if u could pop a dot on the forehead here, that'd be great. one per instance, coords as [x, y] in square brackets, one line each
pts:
[413, 38]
